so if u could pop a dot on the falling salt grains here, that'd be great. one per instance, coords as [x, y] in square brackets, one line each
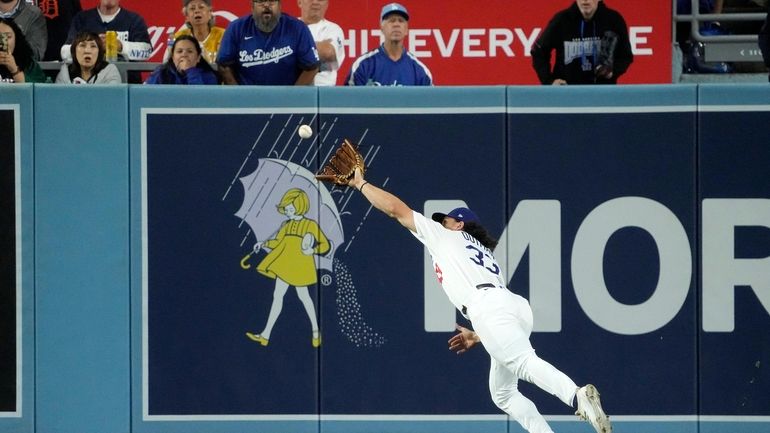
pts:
[351, 320]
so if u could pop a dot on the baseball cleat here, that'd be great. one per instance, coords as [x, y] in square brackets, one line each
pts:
[589, 408]
[258, 338]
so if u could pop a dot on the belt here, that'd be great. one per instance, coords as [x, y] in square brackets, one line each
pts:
[464, 310]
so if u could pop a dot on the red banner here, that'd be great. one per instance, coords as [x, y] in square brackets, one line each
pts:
[463, 43]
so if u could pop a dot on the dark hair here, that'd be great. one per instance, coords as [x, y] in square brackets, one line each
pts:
[75, 69]
[22, 51]
[480, 233]
[166, 68]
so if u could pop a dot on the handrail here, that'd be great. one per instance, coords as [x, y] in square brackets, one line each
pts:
[696, 18]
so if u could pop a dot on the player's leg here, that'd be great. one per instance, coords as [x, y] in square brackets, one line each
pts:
[504, 324]
[304, 296]
[503, 386]
[503, 321]
[281, 287]
[533, 369]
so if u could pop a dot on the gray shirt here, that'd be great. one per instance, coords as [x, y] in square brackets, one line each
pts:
[108, 75]
[31, 21]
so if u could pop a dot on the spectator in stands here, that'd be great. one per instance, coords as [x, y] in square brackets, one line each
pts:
[58, 17]
[268, 48]
[764, 40]
[186, 65]
[199, 22]
[31, 22]
[591, 43]
[88, 63]
[133, 38]
[17, 64]
[328, 38]
[390, 64]
[692, 50]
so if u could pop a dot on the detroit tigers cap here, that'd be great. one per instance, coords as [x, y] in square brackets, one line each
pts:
[394, 8]
[460, 214]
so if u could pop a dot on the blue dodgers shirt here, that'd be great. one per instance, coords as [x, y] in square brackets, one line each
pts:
[375, 68]
[275, 58]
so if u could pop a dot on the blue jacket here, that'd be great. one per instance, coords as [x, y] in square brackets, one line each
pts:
[375, 68]
[168, 74]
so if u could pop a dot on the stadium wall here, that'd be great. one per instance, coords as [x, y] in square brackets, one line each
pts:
[636, 219]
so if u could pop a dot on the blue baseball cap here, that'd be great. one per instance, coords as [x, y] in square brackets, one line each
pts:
[460, 214]
[394, 8]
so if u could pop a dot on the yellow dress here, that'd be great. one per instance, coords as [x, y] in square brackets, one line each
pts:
[286, 260]
[210, 46]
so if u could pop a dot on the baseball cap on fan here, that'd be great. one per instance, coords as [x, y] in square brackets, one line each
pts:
[460, 214]
[394, 8]
[186, 2]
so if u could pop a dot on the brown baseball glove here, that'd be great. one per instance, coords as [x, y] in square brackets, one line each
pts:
[342, 165]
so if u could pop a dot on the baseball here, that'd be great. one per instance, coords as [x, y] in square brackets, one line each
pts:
[305, 131]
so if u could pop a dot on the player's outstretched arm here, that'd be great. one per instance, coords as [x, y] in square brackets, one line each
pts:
[386, 202]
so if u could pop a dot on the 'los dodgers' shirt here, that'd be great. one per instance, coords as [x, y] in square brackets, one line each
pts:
[461, 262]
[275, 58]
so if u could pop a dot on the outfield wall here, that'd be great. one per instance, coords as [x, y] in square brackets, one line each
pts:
[636, 219]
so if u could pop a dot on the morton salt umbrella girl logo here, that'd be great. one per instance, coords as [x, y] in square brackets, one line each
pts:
[285, 222]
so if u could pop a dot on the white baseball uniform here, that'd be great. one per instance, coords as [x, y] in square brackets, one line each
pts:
[473, 281]
[322, 31]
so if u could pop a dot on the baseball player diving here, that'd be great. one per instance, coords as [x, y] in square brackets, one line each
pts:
[462, 255]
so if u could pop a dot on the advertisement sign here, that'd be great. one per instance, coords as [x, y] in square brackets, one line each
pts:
[463, 44]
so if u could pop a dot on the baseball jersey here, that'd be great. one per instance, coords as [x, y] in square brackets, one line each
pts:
[463, 266]
[129, 27]
[275, 58]
[325, 30]
[375, 68]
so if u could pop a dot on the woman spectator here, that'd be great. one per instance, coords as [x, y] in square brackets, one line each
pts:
[16, 62]
[199, 22]
[186, 66]
[88, 63]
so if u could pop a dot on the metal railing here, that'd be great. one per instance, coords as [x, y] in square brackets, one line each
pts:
[729, 48]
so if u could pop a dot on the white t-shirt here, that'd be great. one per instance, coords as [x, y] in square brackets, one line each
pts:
[322, 31]
[460, 261]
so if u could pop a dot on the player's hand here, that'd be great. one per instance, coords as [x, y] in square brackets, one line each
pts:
[559, 82]
[463, 341]
[358, 179]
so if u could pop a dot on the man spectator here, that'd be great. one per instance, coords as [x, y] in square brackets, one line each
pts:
[31, 22]
[268, 48]
[58, 17]
[328, 40]
[591, 43]
[390, 64]
[133, 38]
